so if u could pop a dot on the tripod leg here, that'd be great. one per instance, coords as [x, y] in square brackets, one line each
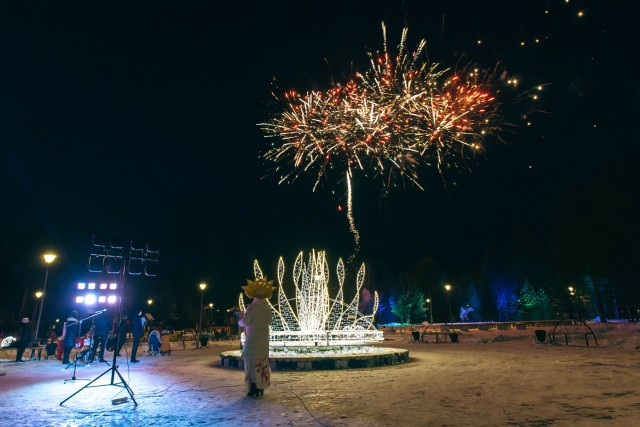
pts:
[92, 381]
[126, 386]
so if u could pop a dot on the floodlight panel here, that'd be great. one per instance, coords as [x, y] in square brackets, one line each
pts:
[82, 285]
[96, 263]
[90, 299]
[111, 299]
[91, 286]
[113, 264]
[151, 268]
[102, 299]
[103, 286]
[136, 266]
[113, 286]
[79, 299]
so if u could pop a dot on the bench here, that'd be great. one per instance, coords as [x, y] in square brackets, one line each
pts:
[439, 334]
[573, 328]
[567, 334]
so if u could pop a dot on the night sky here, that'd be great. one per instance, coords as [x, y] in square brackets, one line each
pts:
[139, 122]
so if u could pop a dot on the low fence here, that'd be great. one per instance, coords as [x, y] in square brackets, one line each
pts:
[482, 326]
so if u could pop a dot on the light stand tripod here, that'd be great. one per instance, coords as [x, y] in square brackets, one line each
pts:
[75, 358]
[114, 367]
[137, 257]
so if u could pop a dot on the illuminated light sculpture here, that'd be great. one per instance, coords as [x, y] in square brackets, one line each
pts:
[7, 341]
[317, 318]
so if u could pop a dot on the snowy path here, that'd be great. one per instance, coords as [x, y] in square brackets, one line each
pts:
[498, 383]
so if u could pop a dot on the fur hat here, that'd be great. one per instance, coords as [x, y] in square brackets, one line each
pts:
[25, 320]
[259, 288]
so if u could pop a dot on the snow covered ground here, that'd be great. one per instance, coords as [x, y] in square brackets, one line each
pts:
[489, 378]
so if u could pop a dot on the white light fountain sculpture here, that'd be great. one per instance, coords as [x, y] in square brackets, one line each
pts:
[318, 319]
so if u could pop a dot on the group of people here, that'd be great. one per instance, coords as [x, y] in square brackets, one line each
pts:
[102, 328]
[255, 321]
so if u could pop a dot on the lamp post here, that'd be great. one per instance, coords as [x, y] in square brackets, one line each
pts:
[38, 295]
[572, 293]
[430, 310]
[48, 259]
[447, 288]
[203, 286]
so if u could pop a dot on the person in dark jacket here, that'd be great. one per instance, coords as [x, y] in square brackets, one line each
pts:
[25, 338]
[102, 327]
[69, 335]
[137, 330]
[121, 332]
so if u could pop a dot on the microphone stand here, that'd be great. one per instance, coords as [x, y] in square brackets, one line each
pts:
[75, 358]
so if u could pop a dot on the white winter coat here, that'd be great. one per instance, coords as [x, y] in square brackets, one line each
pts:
[256, 321]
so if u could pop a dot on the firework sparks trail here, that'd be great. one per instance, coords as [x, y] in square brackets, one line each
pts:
[352, 222]
[402, 114]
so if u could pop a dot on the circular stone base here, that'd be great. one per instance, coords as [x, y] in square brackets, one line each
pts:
[306, 362]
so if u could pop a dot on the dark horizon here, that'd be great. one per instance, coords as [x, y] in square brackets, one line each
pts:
[140, 123]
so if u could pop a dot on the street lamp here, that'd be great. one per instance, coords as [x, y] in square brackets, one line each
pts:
[37, 294]
[430, 310]
[572, 293]
[149, 301]
[447, 288]
[48, 259]
[203, 286]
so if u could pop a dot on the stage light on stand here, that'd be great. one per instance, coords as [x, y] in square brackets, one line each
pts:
[97, 254]
[136, 259]
[152, 253]
[116, 261]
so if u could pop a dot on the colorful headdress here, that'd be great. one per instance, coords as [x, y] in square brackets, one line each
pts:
[259, 288]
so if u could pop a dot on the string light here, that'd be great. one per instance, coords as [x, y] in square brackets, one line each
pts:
[317, 317]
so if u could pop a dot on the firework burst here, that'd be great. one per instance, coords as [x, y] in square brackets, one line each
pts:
[400, 115]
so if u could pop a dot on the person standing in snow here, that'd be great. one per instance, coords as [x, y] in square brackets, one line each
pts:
[24, 339]
[102, 326]
[256, 321]
[69, 335]
[137, 330]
